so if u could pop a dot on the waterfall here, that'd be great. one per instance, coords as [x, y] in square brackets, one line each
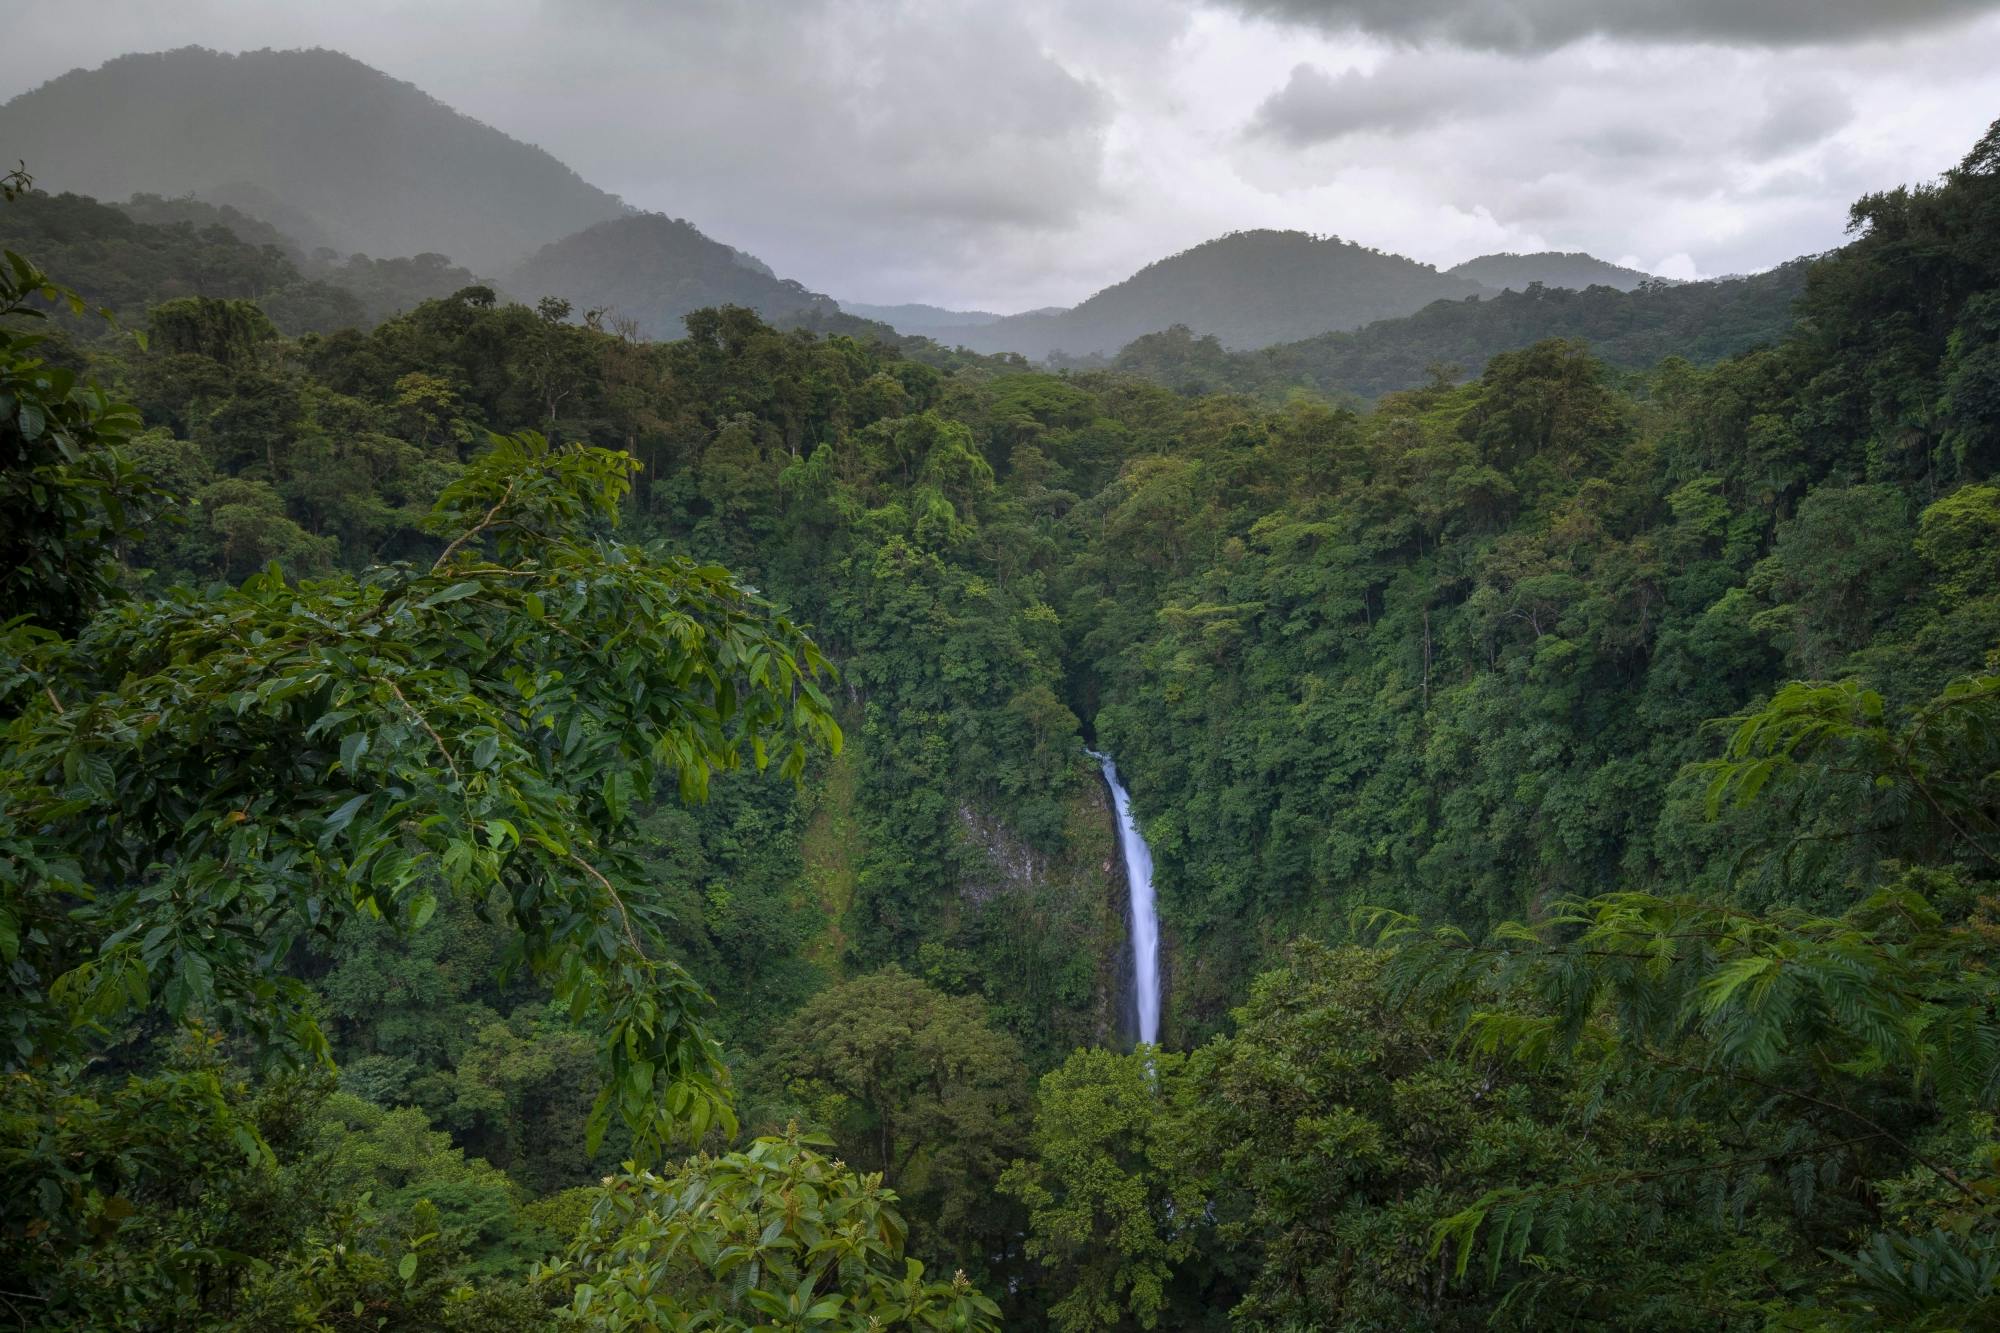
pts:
[1145, 917]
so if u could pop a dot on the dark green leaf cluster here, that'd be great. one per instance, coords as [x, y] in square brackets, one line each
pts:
[771, 1239]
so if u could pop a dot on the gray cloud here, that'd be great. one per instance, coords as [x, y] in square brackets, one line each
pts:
[1797, 118]
[1315, 106]
[838, 140]
[1003, 157]
[944, 112]
[1544, 25]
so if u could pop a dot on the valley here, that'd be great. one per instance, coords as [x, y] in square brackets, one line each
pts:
[552, 776]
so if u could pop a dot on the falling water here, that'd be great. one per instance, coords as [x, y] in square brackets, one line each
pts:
[1145, 919]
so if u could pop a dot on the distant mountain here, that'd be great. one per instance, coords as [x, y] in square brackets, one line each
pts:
[1701, 321]
[329, 150]
[932, 321]
[1248, 289]
[923, 321]
[1574, 270]
[654, 270]
[917, 315]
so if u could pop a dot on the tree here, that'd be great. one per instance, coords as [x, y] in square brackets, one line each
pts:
[225, 331]
[775, 1237]
[1105, 1205]
[918, 1086]
[555, 356]
[69, 494]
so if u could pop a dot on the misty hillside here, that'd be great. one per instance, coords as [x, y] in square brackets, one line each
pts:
[384, 287]
[160, 211]
[1248, 289]
[136, 255]
[1699, 321]
[931, 321]
[118, 262]
[938, 323]
[654, 270]
[324, 147]
[1574, 270]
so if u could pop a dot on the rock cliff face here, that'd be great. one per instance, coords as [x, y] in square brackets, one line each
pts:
[1058, 918]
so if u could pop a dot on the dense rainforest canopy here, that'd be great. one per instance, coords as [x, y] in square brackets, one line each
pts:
[1574, 799]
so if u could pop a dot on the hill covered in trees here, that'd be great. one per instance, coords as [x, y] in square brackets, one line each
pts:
[1548, 268]
[288, 136]
[129, 266]
[1571, 790]
[153, 250]
[929, 321]
[1247, 289]
[1231, 278]
[653, 271]
[1699, 321]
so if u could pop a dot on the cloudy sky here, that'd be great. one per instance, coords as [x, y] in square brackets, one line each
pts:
[1010, 155]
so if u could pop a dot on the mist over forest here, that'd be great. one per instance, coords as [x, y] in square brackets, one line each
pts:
[1375, 769]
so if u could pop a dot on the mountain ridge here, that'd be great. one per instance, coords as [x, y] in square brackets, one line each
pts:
[239, 129]
[1700, 322]
[1248, 288]
[654, 270]
[228, 130]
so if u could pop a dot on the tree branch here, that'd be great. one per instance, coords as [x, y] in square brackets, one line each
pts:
[624, 917]
[481, 526]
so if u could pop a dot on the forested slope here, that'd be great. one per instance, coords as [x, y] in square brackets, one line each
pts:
[153, 250]
[1701, 322]
[654, 271]
[1246, 289]
[1506, 987]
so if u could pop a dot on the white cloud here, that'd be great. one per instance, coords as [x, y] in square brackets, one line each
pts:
[1678, 265]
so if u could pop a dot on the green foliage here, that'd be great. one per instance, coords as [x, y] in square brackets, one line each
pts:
[1900, 330]
[364, 746]
[186, 1199]
[224, 331]
[155, 251]
[1847, 1048]
[774, 1237]
[420, 1184]
[1109, 1219]
[1959, 537]
[1927, 780]
[68, 494]
[129, 264]
[917, 1087]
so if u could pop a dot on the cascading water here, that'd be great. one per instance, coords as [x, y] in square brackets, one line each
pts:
[1145, 918]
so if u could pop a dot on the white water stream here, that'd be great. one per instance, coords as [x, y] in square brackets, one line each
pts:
[1145, 918]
